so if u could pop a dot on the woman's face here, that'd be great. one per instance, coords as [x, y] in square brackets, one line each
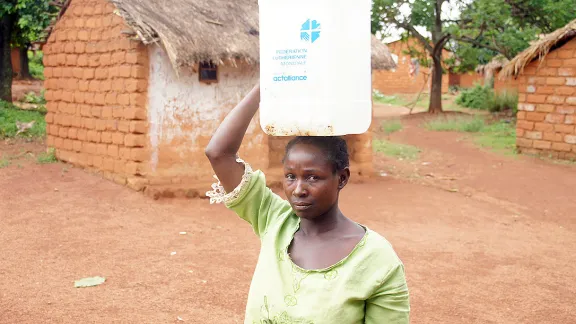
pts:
[310, 183]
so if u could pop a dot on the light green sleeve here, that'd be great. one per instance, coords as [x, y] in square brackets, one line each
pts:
[258, 205]
[390, 304]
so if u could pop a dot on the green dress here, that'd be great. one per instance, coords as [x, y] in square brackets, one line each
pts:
[367, 286]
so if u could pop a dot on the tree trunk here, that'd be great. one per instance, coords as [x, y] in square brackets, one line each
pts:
[24, 63]
[436, 89]
[5, 58]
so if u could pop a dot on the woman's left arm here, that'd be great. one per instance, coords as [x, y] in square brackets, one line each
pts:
[390, 304]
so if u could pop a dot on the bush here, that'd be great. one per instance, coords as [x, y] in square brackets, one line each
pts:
[484, 98]
[505, 100]
[477, 97]
[36, 65]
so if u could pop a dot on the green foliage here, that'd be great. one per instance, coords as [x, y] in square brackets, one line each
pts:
[31, 19]
[477, 97]
[396, 150]
[391, 126]
[48, 157]
[456, 124]
[484, 98]
[36, 65]
[10, 114]
[500, 137]
[546, 15]
[4, 162]
[33, 98]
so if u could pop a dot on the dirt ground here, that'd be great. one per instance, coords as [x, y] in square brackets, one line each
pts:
[485, 239]
[21, 87]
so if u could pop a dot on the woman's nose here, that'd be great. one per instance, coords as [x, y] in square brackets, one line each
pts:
[300, 190]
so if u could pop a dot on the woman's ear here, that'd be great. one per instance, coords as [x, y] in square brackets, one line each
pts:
[343, 177]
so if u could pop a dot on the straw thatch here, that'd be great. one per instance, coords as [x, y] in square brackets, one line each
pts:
[193, 31]
[539, 50]
[497, 63]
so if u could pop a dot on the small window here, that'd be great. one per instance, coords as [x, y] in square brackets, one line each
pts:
[208, 72]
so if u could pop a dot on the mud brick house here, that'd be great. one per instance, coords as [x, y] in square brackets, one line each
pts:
[400, 79]
[136, 88]
[546, 74]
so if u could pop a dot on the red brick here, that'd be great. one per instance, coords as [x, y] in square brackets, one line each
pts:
[100, 99]
[98, 162]
[82, 134]
[79, 97]
[106, 112]
[95, 35]
[132, 140]
[138, 100]
[119, 58]
[77, 121]
[566, 110]
[553, 63]
[556, 81]
[571, 101]
[111, 98]
[571, 82]
[124, 126]
[102, 73]
[555, 99]
[565, 53]
[101, 149]
[522, 142]
[535, 116]
[63, 132]
[561, 147]
[135, 114]
[553, 137]
[105, 59]
[96, 111]
[89, 98]
[534, 135]
[83, 85]
[139, 72]
[570, 139]
[107, 21]
[108, 164]
[49, 118]
[113, 150]
[520, 132]
[94, 136]
[134, 168]
[542, 145]
[111, 125]
[566, 129]
[555, 118]
[125, 71]
[71, 59]
[124, 153]
[138, 127]
[69, 48]
[570, 63]
[118, 112]
[139, 154]
[73, 133]
[88, 123]
[54, 130]
[92, 48]
[124, 99]
[80, 48]
[118, 85]
[142, 85]
[101, 124]
[135, 58]
[88, 73]
[106, 137]
[119, 166]
[566, 72]
[118, 138]
[543, 127]
[565, 91]
[545, 108]
[536, 99]
[106, 86]
[68, 96]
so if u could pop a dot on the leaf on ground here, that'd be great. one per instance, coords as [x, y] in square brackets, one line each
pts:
[89, 282]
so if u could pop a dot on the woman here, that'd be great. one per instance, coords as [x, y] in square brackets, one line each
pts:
[315, 265]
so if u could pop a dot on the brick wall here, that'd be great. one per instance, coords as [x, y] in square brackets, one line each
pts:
[468, 80]
[96, 92]
[399, 80]
[547, 105]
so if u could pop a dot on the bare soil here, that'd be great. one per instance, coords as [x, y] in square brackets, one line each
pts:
[485, 239]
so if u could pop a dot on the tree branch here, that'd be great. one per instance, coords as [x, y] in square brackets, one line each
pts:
[472, 41]
[416, 34]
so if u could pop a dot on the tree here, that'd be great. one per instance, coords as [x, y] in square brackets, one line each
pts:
[474, 30]
[21, 22]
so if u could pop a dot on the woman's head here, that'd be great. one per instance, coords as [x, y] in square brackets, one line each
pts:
[315, 170]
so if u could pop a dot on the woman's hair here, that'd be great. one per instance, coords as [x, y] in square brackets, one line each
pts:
[334, 148]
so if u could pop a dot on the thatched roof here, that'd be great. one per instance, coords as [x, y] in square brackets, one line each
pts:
[539, 49]
[193, 31]
[497, 63]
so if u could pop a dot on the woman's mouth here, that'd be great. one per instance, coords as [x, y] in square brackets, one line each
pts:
[301, 206]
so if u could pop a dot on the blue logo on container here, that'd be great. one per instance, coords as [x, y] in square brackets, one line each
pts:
[310, 31]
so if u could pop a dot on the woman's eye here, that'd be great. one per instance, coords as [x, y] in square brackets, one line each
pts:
[313, 178]
[290, 177]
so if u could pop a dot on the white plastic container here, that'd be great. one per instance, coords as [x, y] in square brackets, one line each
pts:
[315, 68]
